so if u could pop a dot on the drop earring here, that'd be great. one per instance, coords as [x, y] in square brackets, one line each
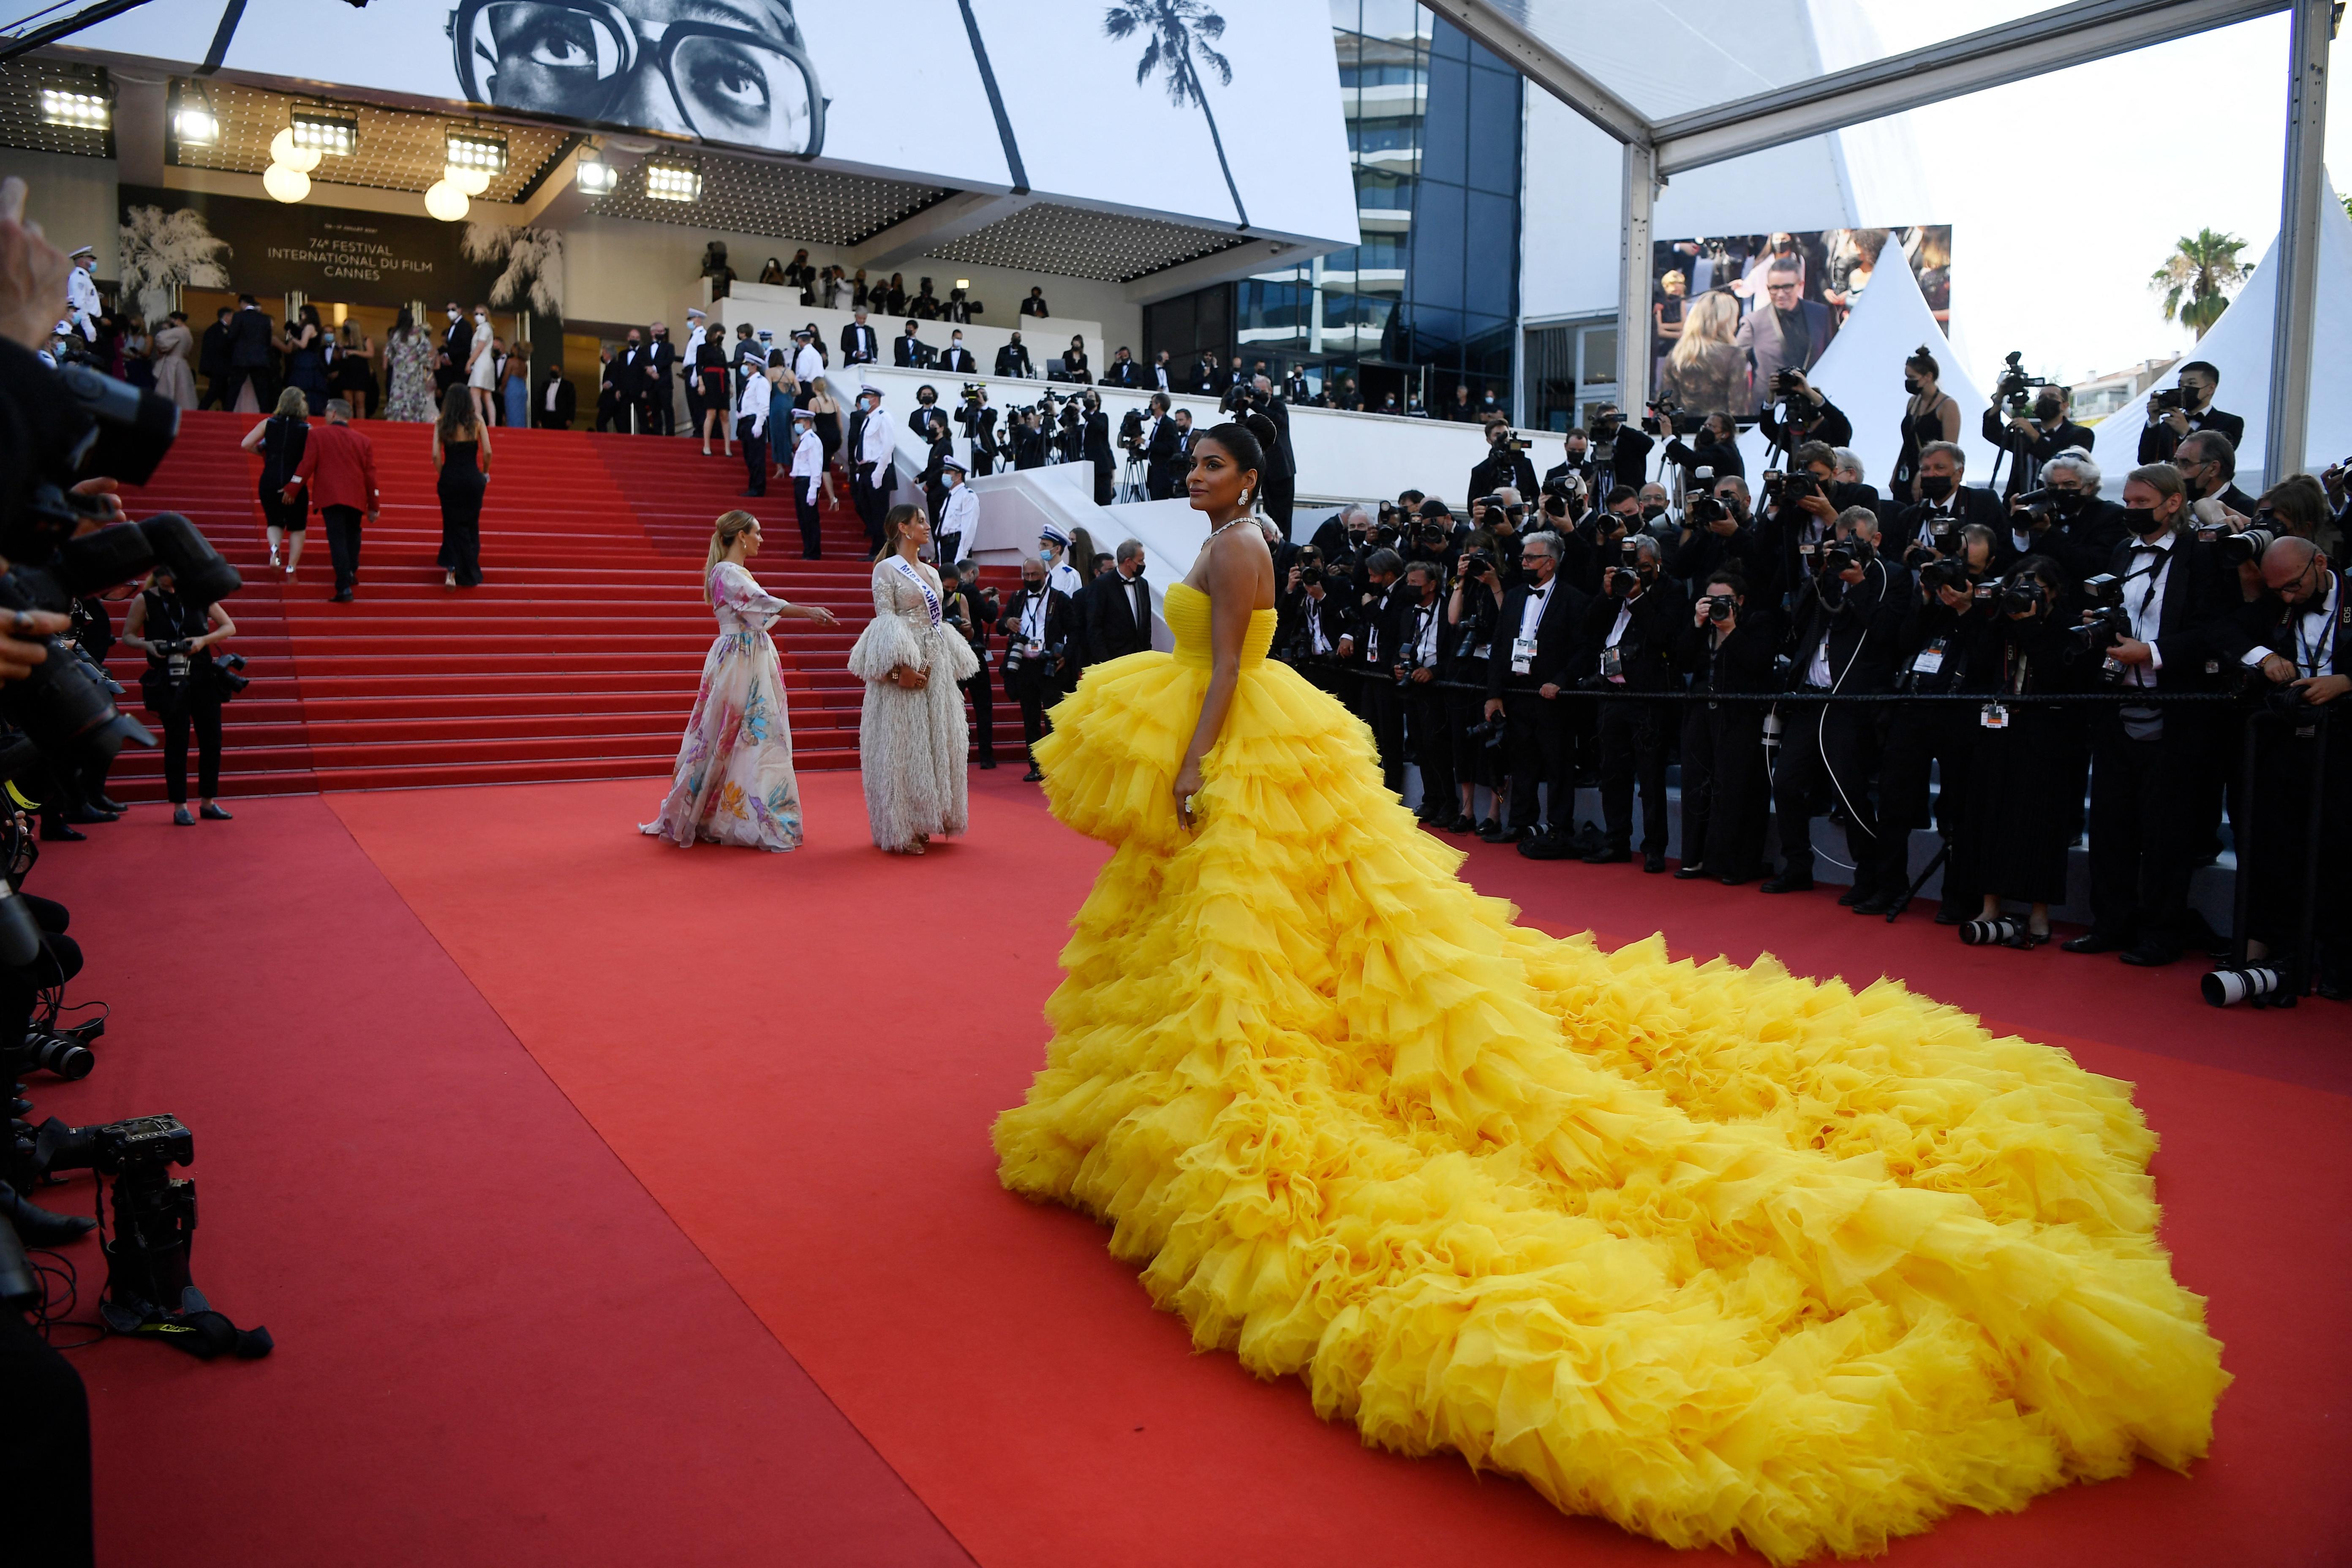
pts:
[1245, 495]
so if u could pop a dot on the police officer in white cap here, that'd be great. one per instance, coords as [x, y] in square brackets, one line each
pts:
[697, 328]
[958, 513]
[83, 304]
[808, 478]
[1060, 576]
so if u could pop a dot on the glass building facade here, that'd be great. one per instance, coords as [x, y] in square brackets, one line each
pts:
[1428, 301]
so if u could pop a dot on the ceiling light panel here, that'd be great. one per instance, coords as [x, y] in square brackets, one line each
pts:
[25, 113]
[393, 150]
[325, 131]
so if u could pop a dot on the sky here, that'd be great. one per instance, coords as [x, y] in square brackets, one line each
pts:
[2066, 192]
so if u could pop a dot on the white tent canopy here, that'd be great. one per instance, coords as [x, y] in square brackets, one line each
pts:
[2239, 346]
[1862, 373]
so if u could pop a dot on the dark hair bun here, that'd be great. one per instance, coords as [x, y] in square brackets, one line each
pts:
[1237, 440]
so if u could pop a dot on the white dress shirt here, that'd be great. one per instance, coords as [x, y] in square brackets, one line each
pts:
[2144, 600]
[1531, 613]
[959, 516]
[808, 364]
[82, 301]
[808, 458]
[752, 403]
[878, 438]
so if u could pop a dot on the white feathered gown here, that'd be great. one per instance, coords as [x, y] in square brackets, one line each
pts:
[911, 744]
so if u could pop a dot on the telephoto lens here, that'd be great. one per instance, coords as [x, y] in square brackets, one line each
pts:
[63, 1054]
[2228, 987]
[1989, 933]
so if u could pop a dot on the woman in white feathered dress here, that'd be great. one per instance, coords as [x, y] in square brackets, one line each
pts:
[910, 734]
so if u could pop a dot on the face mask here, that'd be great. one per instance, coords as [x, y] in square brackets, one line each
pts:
[2196, 488]
[2069, 503]
[2140, 520]
[1652, 511]
[453, 315]
[1911, 385]
[1934, 486]
[2046, 409]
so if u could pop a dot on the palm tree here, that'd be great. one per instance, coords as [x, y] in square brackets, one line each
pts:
[531, 264]
[1179, 31]
[162, 251]
[2196, 278]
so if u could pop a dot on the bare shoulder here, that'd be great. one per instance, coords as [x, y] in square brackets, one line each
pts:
[1241, 568]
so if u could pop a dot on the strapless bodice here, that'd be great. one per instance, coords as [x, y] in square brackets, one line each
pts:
[1186, 610]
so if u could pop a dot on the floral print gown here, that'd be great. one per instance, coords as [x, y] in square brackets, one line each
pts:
[734, 781]
[409, 371]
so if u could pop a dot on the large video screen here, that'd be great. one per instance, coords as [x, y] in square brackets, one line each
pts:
[1726, 311]
[1227, 115]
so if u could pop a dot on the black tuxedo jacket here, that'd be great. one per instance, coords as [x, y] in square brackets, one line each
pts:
[2202, 631]
[1098, 438]
[661, 366]
[960, 360]
[1557, 637]
[1012, 359]
[2156, 441]
[629, 373]
[1108, 607]
[1969, 504]
[567, 403]
[910, 352]
[249, 337]
[212, 351]
[859, 344]
[1062, 631]
[1122, 372]
[1647, 648]
[458, 342]
[1504, 467]
[1865, 623]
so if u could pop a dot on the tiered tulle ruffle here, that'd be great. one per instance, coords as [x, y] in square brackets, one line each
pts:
[1713, 1251]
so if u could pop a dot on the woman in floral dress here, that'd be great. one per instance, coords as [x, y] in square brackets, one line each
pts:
[408, 357]
[734, 782]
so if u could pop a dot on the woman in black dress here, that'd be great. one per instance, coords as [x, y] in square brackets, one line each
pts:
[1074, 361]
[306, 359]
[461, 451]
[280, 439]
[2017, 837]
[1931, 415]
[355, 369]
[827, 411]
[718, 406]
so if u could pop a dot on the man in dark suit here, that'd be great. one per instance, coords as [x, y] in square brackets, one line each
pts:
[1095, 446]
[1321, 623]
[1370, 654]
[958, 360]
[1162, 376]
[2167, 428]
[249, 337]
[2305, 632]
[1848, 618]
[661, 381]
[1116, 607]
[608, 395]
[1529, 677]
[1122, 371]
[1012, 359]
[1945, 505]
[1041, 637]
[1163, 451]
[1203, 382]
[1507, 465]
[1627, 637]
[1036, 304]
[1295, 387]
[1787, 332]
[629, 382]
[2073, 528]
[212, 359]
[909, 351]
[1419, 658]
[2208, 462]
[858, 343]
[456, 347]
[2185, 631]
[555, 403]
[1280, 481]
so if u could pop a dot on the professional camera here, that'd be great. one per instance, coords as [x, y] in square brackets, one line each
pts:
[2041, 503]
[1701, 507]
[2105, 619]
[1942, 573]
[1837, 555]
[2164, 403]
[1719, 608]
[2245, 545]
[1784, 384]
[2015, 388]
[2022, 596]
[1487, 733]
[975, 392]
[64, 1052]
[1475, 565]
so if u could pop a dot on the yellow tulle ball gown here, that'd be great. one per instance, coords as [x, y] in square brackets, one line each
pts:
[1716, 1252]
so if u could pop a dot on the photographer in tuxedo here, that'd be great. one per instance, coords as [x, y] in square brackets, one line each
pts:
[1116, 608]
[1095, 446]
[1505, 464]
[1122, 371]
[2031, 440]
[2177, 412]
[1370, 654]
[660, 384]
[2304, 665]
[1627, 636]
[1419, 661]
[1163, 451]
[1946, 505]
[858, 343]
[1728, 646]
[1621, 456]
[1848, 614]
[1802, 414]
[2182, 602]
[1529, 672]
[1281, 479]
[2208, 463]
[1040, 625]
[1715, 450]
[2065, 519]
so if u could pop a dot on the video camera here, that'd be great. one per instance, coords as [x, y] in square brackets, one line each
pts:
[2015, 389]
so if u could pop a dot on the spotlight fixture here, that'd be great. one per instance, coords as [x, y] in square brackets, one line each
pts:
[596, 177]
[85, 110]
[478, 150]
[286, 155]
[445, 201]
[193, 120]
[322, 132]
[473, 182]
[285, 185]
[668, 183]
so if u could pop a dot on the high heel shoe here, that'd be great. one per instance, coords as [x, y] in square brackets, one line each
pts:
[2027, 938]
[705, 449]
[449, 579]
[273, 559]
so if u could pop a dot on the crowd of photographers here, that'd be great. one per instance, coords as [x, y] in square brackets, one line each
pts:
[2005, 671]
[69, 435]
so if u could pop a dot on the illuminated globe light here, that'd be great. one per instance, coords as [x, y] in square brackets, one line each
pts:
[445, 201]
[473, 182]
[285, 185]
[283, 152]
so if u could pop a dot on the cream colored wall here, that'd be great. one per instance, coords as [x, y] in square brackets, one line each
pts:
[71, 198]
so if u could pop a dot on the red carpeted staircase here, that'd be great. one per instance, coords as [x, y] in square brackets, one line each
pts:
[577, 658]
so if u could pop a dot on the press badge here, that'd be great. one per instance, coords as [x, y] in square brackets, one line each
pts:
[1927, 661]
[1523, 655]
[1611, 665]
[1994, 717]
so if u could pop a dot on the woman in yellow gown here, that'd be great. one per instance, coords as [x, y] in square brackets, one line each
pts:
[1716, 1252]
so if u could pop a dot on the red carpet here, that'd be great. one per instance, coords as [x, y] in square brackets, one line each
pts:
[798, 1057]
[576, 657]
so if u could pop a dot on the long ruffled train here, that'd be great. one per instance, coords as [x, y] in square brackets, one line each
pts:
[1713, 1251]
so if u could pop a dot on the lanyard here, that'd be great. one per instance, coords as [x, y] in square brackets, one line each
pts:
[1033, 617]
[930, 599]
[2308, 656]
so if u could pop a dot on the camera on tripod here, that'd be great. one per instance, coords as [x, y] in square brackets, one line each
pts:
[2015, 389]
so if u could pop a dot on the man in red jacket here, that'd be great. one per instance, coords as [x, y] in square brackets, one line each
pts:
[339, 466]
